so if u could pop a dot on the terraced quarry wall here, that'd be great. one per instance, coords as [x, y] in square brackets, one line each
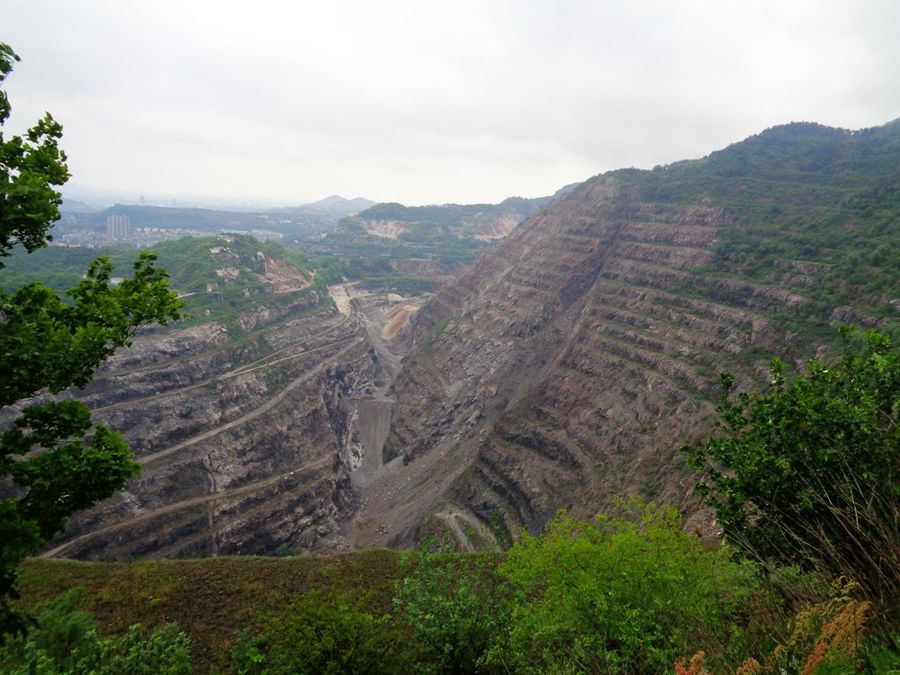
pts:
[567, 368]
[564, 369]
[245, 441]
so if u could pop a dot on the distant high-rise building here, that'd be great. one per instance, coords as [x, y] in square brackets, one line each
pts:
[118, 226]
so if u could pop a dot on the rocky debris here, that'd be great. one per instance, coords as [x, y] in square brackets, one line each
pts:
[388, 229]
[281, 276]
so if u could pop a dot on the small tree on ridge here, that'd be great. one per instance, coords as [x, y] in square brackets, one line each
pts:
[810, 471]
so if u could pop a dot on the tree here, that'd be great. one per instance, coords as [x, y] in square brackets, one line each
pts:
[324, 633]
[53, 460]
[29, 168]
[454, 609]
[810, 471]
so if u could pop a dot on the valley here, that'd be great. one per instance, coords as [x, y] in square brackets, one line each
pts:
[246, 445]
[326, 400]
[593, 368]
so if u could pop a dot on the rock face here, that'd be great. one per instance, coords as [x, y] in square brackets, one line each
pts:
[567, 367]
[253, 437]
[245, 444]
[563, 371]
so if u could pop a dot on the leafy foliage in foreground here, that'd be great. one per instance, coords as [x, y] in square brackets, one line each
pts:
[455, 609]
[47, 344]
[30, 167]
[825, 636]
[66, 640]
[247, 615]
[324, 634]
[618, 596]
[810, 471]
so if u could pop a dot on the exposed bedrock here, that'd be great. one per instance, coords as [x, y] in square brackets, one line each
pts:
[567, 367]
[246, 444]
[564, 369]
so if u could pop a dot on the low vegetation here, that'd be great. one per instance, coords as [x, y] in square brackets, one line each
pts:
[796, 587]
[618, 595]
[65, 639]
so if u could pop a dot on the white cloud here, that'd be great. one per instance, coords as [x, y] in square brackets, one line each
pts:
[432, 101]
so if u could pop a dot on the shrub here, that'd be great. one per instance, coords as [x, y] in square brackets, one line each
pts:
[65, 640]
[617, 596]
[823, 637]
[321, 634]
[810, 471]
[454, 606]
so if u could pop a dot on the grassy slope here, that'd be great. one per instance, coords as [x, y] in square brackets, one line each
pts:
[212, 599]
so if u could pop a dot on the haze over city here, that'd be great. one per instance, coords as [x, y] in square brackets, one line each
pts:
[430, 102]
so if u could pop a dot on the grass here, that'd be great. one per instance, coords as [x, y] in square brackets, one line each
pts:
[211, 599]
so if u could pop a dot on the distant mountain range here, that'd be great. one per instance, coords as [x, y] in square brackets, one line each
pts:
[337, 204]
[303, 220]
[356, 216]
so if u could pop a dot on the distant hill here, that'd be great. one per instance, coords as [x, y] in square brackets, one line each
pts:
[76, 206]
[188, 218]
[478, 221]
[292, 221]
[320, 216]
[445, 235]
[337, 204]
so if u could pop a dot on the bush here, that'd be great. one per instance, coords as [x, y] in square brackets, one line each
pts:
[65, 640]
[454, 606]
[321, 634]
[810, 472]
[823, 637]
[617, 596]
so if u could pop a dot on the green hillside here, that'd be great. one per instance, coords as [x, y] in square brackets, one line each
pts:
[444, 218]
[815, 209]
[445, 234]
[218, 276]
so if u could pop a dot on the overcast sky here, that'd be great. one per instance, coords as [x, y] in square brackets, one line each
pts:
[431, 102]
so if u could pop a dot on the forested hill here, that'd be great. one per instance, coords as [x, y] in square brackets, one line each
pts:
[218, 276]
[814, 209]
[482, 222]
